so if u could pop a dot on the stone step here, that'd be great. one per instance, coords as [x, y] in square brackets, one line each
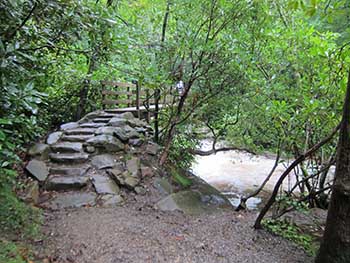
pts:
[61, 183]
[67, 147]
[76, 138]
[92, 125]
[104, 185]
[80, 131]
[71, 199]
[101, 120]
[69, 157]
[69, 170]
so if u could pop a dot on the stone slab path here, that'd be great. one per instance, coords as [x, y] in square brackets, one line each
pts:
[90, 162]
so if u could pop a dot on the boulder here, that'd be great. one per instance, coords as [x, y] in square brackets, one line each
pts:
[152, 148]
[114, 131]
[103, 161]
[81, 131]
[136, 142]
[117, 122]
[39, 150]
[125, 179]
[69, 126]
[53, 137]
[104, 185]
[127, 116]
[59, 183]
[106, 142]
[163, 186]
[136, 123]
[38, 170]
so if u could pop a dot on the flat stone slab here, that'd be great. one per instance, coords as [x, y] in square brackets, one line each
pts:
[101, 120]
[72, 200]
[133, 166]
[59, 183]
[106, 142]
[39, 150]
[69, 125]
[81, 131]
[69, 171]
[67, 147]
[76, 138]
[104, 185]
[114, 131]
[54, 137]
[117, 122]
[38, 170]
[109, 200]
[124, 178]
[127, 115]
[103, 161]
[92, 125]
[152, 148]
[69, 157]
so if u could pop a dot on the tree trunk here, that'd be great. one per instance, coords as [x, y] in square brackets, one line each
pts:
[335, 247]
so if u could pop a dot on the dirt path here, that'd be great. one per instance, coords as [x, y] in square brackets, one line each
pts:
[140, 234]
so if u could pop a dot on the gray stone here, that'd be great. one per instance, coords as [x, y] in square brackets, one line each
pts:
[104, 185]
[114, 131]
[127, 116]
[39, 150]
[188, 202]
[81, 131]
[90, 149]
[163, 186]
[136, 142]
[32, 193]
[72, 199]
[126, 179]
[92, 125]
[133, 166]
[53, 137]
[76, 138]
[67, 147]
[103, 161]
[141, 130]
[69, 171]
[69, 157]
[136, 123]
[106, 142]
[146, 171]
[133, 134]
[116, 171]
[140, 190]
[90, 116]
[152, 148]
[69, 126]
[59, 183]
[38, 170]
[109, 200]
[117, 122]
[101, 120]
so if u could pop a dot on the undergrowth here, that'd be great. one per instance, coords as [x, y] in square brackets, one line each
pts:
[292, 233]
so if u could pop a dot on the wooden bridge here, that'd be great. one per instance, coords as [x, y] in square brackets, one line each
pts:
[144, 103]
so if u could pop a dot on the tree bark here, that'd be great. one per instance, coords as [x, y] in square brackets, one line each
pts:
[335, 247]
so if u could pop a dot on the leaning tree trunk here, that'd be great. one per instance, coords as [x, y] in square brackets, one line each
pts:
[335, 247]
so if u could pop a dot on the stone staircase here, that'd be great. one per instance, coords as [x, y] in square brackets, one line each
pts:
[94, 161]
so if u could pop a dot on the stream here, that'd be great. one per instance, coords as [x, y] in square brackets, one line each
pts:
[237, 173]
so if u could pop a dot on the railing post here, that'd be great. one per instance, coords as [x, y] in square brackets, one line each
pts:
[156, 102]
[137, 98]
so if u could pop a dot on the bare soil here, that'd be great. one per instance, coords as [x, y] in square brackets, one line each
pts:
[139, 233]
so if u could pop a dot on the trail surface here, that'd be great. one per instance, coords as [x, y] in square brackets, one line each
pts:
[140, 234]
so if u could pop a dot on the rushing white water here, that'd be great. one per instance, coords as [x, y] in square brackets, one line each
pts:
[237, 173]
